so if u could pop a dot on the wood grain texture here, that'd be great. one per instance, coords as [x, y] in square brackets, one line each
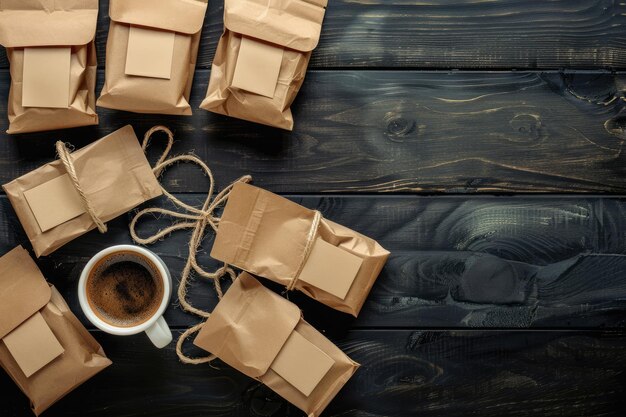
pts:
[489, 305]
[403, 373]
[394, 131]
[488, 262]
[503, 34]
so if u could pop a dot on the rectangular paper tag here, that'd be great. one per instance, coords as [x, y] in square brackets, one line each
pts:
[150, 52]
[330, 268]
[33, 345]
[257, 68]
[301, 363]
[54, 202]
[46, 77]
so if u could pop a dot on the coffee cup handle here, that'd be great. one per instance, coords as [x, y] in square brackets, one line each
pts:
[159, 333]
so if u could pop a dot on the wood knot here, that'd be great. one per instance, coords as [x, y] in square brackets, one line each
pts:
[527, 127]
[263, 402]
[617, 126]
[398, 126]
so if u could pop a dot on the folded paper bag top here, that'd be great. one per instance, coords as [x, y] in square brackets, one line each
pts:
[47, 23]
[23, 290]
[151, 55]
[43, 347]
[264, 336]
[50, 45]
[113, 173]
[262, 57]
[270, 236]
[293, 24]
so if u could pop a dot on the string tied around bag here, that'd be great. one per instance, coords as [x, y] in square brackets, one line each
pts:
[310, 241]
[187, 217]
[65, 155]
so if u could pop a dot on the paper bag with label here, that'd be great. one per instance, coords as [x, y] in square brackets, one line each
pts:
[151, 55]
[50, 45]
[263, 335]
[43, 347]
[262, 57]
[270, 236]
[114, 175]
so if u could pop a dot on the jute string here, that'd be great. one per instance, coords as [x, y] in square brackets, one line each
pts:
[190, 217]
[66, 157]
[307, 249]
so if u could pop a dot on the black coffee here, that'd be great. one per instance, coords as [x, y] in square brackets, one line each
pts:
[124, 289]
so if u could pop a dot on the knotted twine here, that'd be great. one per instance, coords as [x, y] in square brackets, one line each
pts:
[66, 157]
[189, 217]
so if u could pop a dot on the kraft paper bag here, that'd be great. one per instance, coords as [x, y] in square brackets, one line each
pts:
[50, 46]
[43, 347]
[151, 55]
[262, 57]
[270, 236]
[113, 173]
[263, 335]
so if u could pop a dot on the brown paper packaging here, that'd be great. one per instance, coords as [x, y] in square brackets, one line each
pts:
[260, 81]
[64, 26]
[114, 174]
[151, 55]
[267, 235]
[262, 335]
[40, 336]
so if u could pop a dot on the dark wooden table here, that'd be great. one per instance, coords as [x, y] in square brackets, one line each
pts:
[481, 142]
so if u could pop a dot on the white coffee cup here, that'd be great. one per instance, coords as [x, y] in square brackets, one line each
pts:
[155, 327]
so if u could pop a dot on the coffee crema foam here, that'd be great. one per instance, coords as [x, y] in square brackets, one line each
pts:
[124, 289]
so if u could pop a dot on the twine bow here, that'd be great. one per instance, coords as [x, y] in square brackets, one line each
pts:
[195, 218]
[66, 157]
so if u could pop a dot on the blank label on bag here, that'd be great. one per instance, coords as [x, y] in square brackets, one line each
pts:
[150, 52]
[301, 363]
[46, 77]
[33, 345]
[257, 68]
[54, 202]
[330, 268]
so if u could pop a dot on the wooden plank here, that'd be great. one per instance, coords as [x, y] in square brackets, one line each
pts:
[470, 289]
[403, 373]
[519, 34]
[503, 262]
[371, 131]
